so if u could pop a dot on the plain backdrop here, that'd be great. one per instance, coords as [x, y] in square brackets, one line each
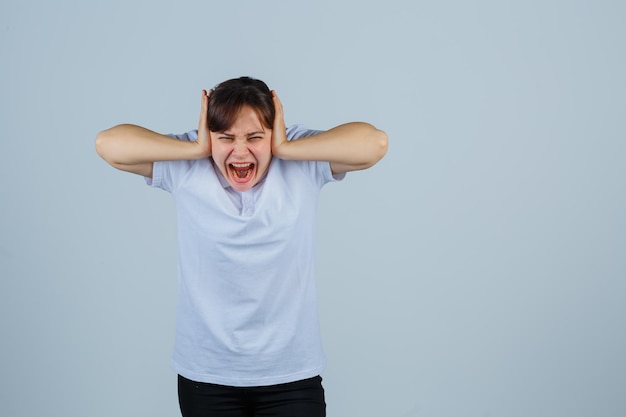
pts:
[477, 271]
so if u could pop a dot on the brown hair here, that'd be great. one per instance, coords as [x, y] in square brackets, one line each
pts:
[230, 96]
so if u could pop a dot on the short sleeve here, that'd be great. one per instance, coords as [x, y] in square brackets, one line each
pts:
[166, 174]
[320, 170]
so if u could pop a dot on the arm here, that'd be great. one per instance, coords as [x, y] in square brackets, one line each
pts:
[348, 147]
[134, 148]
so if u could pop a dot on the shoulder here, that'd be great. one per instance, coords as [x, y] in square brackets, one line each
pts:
[298, 131]
[190, 136]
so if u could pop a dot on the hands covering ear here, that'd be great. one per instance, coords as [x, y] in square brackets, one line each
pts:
[204, 136]
[279, 130]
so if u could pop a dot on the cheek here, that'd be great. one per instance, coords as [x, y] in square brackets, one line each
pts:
[264, 151]
[263, 158]
[218, 151]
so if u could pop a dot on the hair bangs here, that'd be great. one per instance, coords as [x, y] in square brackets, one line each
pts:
[229, 97]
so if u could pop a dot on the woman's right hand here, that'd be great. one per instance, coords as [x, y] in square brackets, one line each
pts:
[204, 136]
[135, 149]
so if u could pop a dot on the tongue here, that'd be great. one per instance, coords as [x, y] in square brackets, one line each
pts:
[241, 173]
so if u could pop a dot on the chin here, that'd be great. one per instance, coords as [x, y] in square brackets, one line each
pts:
[242, 187]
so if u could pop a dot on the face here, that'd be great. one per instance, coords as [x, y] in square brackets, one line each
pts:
[243, 151]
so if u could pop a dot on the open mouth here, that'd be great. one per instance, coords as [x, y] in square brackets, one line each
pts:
[241, 172]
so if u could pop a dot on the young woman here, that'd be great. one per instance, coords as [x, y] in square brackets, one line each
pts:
[246, 190]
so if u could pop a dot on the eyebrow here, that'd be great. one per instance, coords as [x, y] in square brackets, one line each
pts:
[247, 134]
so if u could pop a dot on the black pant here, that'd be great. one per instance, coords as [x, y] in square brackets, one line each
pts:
[295, 399]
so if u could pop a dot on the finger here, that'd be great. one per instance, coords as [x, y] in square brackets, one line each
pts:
[205, 98]
[277, 104]
[205, 102]
[279, 116]
[204, 110]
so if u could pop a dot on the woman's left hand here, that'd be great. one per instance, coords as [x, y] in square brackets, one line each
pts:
[279, 131]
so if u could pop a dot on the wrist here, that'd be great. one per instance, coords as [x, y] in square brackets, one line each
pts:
[199, 150]
[283, 150]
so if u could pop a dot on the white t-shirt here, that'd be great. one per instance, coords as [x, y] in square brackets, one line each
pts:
[247, 310]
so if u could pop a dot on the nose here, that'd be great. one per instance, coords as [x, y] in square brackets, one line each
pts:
[240, 148]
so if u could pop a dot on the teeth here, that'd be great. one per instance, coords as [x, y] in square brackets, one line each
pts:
[241, 170]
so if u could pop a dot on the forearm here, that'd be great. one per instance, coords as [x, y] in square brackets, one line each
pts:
[351, 146]
[131, 145]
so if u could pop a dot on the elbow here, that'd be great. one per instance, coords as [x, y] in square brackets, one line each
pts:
[107, 146]
[382, 141]
[103, 140]
[101, 144]
[379, 145]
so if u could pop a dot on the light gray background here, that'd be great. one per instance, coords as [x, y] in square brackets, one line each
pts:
[478, 270]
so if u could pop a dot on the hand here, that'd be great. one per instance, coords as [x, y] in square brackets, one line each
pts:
[279, 131]
[204, 136]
